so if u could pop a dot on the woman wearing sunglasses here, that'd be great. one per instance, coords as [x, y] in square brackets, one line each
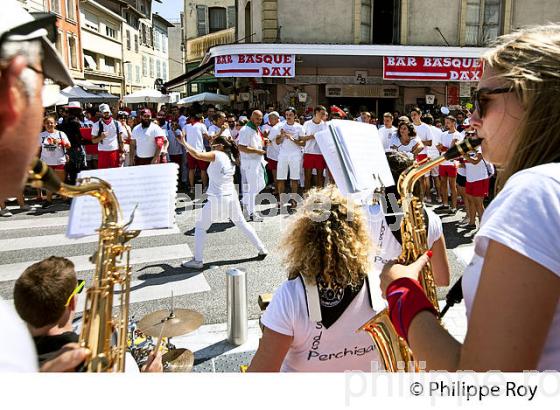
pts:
[512, 285]
[223, 201]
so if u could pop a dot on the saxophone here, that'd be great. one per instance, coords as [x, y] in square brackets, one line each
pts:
[395, 353]
[99, 325]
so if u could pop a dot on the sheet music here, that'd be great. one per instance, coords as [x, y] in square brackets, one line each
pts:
[152, 187]
[354, 154]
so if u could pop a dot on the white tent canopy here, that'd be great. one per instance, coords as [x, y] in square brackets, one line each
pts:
[146, 96]
[205, 98]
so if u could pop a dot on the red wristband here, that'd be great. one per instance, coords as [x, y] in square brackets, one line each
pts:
[406, 299]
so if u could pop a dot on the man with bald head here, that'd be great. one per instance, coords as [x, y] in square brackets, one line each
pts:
[251, 147]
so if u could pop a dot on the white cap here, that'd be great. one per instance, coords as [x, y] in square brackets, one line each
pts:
[275, 113]
[14, 17]
[104, 108]
[243, 118]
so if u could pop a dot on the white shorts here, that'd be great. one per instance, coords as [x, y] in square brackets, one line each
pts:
[293, 165]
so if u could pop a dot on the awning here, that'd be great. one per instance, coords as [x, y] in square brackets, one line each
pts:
[107, 96]
[89, 86]
[79, 94]
[147, 95]
[90, 62]
[189, 76]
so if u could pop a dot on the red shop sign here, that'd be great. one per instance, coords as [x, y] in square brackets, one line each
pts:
[432, 68]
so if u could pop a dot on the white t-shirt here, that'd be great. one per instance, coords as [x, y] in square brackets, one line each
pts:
[424, 133]
[220, 175]
[476, 172]
[53, 147]
[194, 134]
[446, 139]
[396, 142]
[289, 149]
[312, 128]
[111, 143]
[385, 136]
[273, 149]
[146, 139]
[17, 351]
[524, 217]
[385, 246]
[436, 136]
[250, 138]
[215, 130]
[314, 347]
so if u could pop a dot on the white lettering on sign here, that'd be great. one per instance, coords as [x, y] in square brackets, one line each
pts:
[255, 65]
[432, 68]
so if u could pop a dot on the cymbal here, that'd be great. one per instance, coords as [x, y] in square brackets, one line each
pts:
[181, 322]
[178, 361]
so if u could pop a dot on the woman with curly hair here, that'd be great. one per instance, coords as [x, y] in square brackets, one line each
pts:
[406, 140]
[311, 323]
[512, 284]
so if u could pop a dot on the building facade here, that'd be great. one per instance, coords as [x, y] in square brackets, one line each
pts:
[102, 46]
[340, 48]
[177, 62]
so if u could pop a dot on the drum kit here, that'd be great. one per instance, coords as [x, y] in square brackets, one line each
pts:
[154, 332]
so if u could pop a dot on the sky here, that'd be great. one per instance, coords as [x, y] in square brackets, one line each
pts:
[169, 9]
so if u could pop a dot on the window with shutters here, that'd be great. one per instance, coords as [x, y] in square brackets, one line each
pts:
[71, 9]
[164, 71]
[483, 22]
[201, 20]
[136, 43]
[157, 40]
[217, 17]
[72, 52]
[55, 6]
[128, 43]
[231, 16]
[365, 22]
[151, 67]
[129, 72]
[164, 43]
[111, 32]
[158, 69]
[144, 66]
[137, 74]
[91, 21]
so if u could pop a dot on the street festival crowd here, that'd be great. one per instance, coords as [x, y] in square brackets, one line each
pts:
[340, 260]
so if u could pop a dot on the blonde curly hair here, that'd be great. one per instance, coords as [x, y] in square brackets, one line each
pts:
[327, 240]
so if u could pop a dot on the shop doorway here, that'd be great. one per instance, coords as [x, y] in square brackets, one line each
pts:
[377, 106]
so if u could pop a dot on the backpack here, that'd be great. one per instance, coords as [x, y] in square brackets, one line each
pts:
[116, 126]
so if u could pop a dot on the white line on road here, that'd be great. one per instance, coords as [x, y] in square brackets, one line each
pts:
[12, 271]
[31, 223]
[61, 240]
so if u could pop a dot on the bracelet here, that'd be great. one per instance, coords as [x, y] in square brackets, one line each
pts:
[406, 298]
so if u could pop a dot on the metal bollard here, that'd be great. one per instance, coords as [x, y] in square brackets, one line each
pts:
[237, 320]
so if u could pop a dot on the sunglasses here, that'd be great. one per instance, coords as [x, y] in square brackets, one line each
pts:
[478, 97]
[78, 289]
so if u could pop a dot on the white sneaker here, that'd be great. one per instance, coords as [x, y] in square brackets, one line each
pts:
[6, 212]
[192, 264]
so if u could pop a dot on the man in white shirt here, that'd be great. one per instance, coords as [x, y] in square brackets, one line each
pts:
[312, 157]
[210, 112]
[387, 130]
[109, 135]
[290, 156]
[147, 141]
[219, 126]
[271, 131]
[447, 170]
[196, 134]
[433, 152]
[251, 144]
[425, 135]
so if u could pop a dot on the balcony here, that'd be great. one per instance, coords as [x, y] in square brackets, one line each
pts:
[197, 47]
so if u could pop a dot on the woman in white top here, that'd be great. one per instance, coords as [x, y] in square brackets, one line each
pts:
[405, 140]
[222, 196]
[477, 186]
[310, 324]
[52, 150]
[512, 285]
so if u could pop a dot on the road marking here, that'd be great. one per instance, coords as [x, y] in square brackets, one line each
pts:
[44, 241]
[167, 253]
[30, 223]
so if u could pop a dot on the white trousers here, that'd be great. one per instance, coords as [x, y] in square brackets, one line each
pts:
[219, 208]
[254, 176]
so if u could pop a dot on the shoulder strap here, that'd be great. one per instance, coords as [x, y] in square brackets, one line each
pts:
[312, 299]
